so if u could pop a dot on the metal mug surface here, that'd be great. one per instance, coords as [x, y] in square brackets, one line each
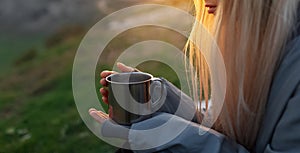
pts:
[130, 97]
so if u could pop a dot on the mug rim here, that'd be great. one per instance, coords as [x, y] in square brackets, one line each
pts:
[126, 83]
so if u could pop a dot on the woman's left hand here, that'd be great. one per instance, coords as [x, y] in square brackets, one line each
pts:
[99, 116]
[109, 127]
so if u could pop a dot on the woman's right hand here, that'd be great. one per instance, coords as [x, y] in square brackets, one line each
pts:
[104, 74]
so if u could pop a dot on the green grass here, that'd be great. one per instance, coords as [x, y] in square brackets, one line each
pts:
[50, 123]
[37, 109]
[13, 46]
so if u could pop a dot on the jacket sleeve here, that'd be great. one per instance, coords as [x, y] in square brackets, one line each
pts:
[170, 133]
[284, 105]
[166, 132]
[286, 136]
[176, 102]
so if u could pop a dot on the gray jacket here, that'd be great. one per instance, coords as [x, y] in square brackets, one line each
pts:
[279, 133]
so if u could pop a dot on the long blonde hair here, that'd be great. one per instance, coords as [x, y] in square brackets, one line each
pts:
[251, 35]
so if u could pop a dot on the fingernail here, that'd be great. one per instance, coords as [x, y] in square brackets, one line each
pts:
[92, 109]
[119, 63]
[94, 115]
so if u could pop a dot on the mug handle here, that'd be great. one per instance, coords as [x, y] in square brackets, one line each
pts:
[155, 104]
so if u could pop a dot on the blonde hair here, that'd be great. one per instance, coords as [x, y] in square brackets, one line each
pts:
[251, 35]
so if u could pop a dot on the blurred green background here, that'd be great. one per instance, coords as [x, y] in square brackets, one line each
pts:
[38, 43]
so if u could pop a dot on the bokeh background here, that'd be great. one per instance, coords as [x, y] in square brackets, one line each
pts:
[38, 42]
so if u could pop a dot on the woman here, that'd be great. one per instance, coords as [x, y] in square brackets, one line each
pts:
[260, 44]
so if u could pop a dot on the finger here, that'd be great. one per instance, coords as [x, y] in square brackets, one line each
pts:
[104, 92]
[103, 82]
[102, 114]
[92, 109]
[97, 117]
[105, 100]
[124, 68]
[104, 74]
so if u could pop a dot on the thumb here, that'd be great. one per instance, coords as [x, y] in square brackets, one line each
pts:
[125, 68]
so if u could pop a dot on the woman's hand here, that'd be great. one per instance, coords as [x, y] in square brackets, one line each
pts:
[112, 129]
[103, 82]
[109, 128]
[99, 116]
